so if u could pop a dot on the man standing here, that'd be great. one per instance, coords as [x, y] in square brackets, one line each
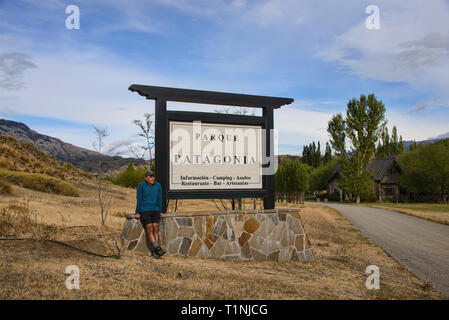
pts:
[148, 209]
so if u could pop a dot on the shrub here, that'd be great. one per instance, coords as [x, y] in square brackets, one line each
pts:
[5, 187]
[333, 196]
[369, 198]
[88, 175]
[37, 164]
[40, 182]
[24, 158]
[7, 150]
[5, 163]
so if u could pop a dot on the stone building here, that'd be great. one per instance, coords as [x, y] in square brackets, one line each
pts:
[384, 171]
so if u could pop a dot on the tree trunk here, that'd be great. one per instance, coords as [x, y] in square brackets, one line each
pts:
[358, 199]
[100, 201]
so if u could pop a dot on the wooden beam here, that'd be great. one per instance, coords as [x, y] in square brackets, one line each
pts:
[209, 97]
[162, 149]
[215, 118]
[268, 201]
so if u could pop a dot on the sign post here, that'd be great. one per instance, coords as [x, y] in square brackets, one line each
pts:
[203, 155]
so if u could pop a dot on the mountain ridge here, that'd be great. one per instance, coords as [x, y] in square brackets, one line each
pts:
[87, 160]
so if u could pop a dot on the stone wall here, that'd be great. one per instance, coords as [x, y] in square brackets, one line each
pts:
[276, 235]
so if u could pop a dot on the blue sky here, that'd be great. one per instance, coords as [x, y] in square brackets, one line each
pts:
[60, 82]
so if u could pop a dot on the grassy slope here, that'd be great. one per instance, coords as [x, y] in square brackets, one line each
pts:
[39, 182]
[37, 269]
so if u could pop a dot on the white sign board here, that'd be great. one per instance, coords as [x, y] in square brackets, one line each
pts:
[214, 156]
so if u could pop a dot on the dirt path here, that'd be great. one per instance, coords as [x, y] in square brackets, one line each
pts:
[420, 245]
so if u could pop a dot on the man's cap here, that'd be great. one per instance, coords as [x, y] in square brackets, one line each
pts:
[149, 173]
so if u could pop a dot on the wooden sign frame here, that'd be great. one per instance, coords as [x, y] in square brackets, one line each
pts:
[162, 117]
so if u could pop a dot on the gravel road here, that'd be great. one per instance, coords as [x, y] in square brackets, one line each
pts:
[419, 244]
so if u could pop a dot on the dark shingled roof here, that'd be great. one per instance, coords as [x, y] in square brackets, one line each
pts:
[379, 168]
[336, 171]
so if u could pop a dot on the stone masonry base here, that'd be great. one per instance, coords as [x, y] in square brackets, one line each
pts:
[276, 235]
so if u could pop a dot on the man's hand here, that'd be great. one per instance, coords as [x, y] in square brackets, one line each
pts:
[137, 216]
[162, 215]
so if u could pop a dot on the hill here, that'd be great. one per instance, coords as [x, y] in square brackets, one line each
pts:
[25, 157]
[440, 137]
[409, 143]
[22, 164]
[84, 159]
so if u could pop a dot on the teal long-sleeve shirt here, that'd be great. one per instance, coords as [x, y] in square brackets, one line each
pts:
[149, 197]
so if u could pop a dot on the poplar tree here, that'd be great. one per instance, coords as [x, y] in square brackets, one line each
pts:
[361, 128]
[328, 153]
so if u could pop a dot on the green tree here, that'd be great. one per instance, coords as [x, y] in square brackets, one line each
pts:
[328, 153]
[362, 127]
[305, 154]
[394, 145]
[389, 145]
[401, 145]
[317, 161]
[425, 169]
[318, 176]
[384, 143]
[311, 154]
[130, 177]
[291, 177]
[127, 178]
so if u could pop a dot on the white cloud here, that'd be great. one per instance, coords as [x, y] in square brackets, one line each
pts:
[411, 46]
[12, 67]
[298, 127]
[80, 89]
[90, 86]
[419, 107]
[415, 128]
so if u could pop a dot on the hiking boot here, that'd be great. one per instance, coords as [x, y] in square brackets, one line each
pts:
[154, 253]
[160, 251]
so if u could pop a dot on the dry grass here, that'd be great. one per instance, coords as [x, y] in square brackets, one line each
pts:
[36, 269]
[69, 211]
[436, 212]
